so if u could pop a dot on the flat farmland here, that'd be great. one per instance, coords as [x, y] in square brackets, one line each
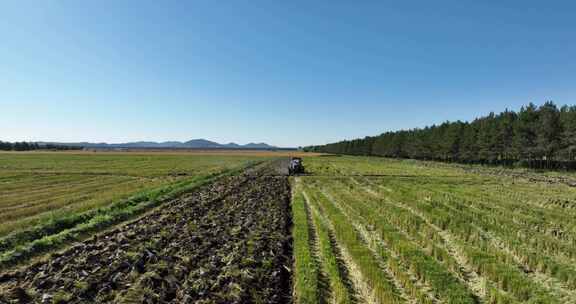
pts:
[235, 228]
[212, 243]
[37, 186]
[48, 199]
[377, 230]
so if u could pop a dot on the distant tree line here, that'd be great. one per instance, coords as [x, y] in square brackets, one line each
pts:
[536, 137]
[29, 146]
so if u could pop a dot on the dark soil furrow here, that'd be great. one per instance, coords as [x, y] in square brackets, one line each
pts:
[226, 243]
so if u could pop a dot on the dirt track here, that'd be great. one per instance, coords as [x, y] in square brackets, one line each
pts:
[226, 243]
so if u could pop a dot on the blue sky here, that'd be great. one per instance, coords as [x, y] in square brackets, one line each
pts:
[285, 72]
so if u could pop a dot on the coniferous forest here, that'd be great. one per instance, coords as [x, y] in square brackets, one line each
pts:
[535, 136]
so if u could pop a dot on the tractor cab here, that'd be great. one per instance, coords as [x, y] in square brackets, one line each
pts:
[296, 166]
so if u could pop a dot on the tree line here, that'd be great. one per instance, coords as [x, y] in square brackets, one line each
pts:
[535, 136]
[29, 146]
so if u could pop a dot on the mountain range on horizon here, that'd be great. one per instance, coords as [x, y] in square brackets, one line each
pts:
[191, 144]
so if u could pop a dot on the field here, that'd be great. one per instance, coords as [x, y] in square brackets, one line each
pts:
[211, 245]
[387, 231]
[34, 186]
[46, 196]
[204, 227]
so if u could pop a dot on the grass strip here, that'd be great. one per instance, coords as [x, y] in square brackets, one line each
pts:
[382, 288]
[444, 284]
[491, 264]
[305, 270]
[330, 264]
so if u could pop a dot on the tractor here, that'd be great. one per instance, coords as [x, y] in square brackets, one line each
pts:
[296, 166]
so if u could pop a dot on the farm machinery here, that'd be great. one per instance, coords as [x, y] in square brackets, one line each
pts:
[296, 166]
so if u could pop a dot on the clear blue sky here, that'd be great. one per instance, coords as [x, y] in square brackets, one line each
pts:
[285, 72]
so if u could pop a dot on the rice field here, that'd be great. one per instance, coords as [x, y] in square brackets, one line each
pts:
[35, 187]
[49, 200]
[363, 229]
[375, 230]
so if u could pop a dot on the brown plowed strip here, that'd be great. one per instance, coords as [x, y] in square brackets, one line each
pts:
[214, 245]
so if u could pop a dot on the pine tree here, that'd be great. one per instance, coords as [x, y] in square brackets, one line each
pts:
[487, 138]
[468, 144]
[525, 133]
[531, 134]
[548, 130]
[568, 122]
[505, 137]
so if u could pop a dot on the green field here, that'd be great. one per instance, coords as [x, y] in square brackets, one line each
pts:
[47, 199]
[390, 231]
[365, 230]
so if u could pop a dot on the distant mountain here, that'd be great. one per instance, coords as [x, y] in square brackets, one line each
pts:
[258, 146]
[202, 143]
[191, 144]
[232, 145]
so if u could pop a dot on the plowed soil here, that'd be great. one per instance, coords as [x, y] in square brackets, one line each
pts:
[228, 242]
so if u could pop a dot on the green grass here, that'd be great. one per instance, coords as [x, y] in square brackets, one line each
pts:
[379, 285]
[305, 268]
[443, 284]
[329, 262]
[426, 221]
